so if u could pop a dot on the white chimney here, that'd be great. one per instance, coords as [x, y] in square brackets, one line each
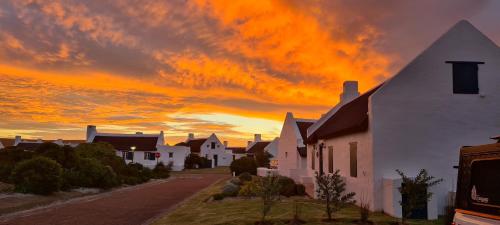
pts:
[190, 136]
[91, 132]
[257, 138]
[225, 143]
[349, 92]
[17, 140]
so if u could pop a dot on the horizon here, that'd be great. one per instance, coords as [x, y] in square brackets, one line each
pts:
[203, 67]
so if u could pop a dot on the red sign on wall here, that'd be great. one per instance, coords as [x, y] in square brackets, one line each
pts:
[157, 155]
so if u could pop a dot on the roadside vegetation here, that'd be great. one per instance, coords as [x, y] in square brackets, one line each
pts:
[52, 168]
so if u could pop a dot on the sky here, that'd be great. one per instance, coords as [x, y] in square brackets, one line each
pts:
[233, 68]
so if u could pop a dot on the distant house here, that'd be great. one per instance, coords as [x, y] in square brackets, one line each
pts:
[259, 146]
[146, 149]
[238, 152]
[447, 97]
[211, 148]
[292, 157]
[33, 144]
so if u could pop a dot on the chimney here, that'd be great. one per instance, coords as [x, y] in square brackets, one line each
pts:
[91, 132]
[39, 140]
[190, 136]
[349, 92]
[17, 140]
[138, 132]
[225, 144]
[257, 137]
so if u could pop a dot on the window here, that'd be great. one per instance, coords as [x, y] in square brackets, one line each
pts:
[286, 154]
[213, 145]
[330, 159]
[234, 157]
[128, 155]
[170, 155]
[465, 77]
[353, 155]
[149, 156]
[313, 161]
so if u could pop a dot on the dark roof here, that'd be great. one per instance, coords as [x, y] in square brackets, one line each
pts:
[496, 138]
[303, 129]
[480, 148]
[350, 118]
[123, 143]
[194, 144]
[29, 146]
[302, 151]
[258, 147]
[6, 142]
[237, 150]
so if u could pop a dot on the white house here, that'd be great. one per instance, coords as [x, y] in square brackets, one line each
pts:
[146, 149]
[292, 157]
[258, 145]
[211, 148]
[447, 97]
[33, 144]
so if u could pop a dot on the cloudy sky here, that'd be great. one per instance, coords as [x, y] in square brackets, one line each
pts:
[230, 67]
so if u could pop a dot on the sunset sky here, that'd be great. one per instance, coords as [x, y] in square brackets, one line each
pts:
[233, 68]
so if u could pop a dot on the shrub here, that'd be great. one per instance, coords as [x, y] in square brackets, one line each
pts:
[300, 189]
[205, 163]
[13, 155]
[5, 171]
[192, 161]
[263, 159]
[245, 176]
[90, 173]
[218, 196]
[47, 147]
[66, 155]
[249, 189]
[39, 175]
[135, 173]
[244, 164]
[364, 210]
[230, 190]
[331, 188]
[161, 171]
[236, 181]
[287, 186]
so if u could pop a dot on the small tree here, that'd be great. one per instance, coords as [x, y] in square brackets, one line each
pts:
[416, 192]
[330, 188]
[262, 158]
[268, 190]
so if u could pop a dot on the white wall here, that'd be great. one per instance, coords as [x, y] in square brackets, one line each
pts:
[289, 160]
[179, 155]
[224, 157]
[417, 121]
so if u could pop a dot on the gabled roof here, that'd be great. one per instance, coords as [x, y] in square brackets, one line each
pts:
[303, 125]
[194, 144]
[258, 147]
[237, 150]
[124, 143]
[350, 118]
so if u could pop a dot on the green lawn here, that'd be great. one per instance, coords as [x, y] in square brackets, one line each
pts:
[199, 210]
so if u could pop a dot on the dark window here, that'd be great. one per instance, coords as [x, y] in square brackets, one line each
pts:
[170, 154]
[286, 154]
[234, 157]
[465, 77]
[149, 156]
[353, 153]
[485, 183]
[129, 155]
[213, 145]
[330, 159]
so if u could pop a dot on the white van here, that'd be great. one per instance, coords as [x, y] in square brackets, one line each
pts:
[478, 186]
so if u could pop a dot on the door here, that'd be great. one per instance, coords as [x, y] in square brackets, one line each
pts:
[215, 160]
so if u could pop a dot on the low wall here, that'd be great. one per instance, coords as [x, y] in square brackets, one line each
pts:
[263, 172]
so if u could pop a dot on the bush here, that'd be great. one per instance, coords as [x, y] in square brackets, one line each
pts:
[263, 159]
[39, 175]
[249, 189]
[230, 190]
[47, 147]
[104, 153]
[13, 155]
[300, 189]
[218, 196]
[287, 186]
[161, 171]
[196, 162]
[236, 181]
[135, 173]
[5, 171]
[245, 176]
[66, 155]
[90, 173]
[244, 164]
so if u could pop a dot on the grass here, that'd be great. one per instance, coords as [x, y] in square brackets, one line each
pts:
[236, 211]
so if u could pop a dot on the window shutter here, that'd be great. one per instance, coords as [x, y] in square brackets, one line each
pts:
[354, 158]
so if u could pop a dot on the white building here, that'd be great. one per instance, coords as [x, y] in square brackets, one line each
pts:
[258, 145]
[447, 97]
[33, 144]
[211, 148]
[292, 157]
[146, 149]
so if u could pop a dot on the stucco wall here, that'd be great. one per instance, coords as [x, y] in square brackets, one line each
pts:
[178, 157]
[224, 158]
[417, 121]
[290, 163]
